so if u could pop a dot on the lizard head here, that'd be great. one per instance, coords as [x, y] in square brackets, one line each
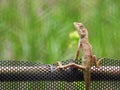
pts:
[81, 29]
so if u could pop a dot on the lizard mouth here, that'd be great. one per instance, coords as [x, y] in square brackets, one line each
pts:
[78, 25]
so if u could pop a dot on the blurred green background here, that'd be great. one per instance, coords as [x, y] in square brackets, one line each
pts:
[43, 31]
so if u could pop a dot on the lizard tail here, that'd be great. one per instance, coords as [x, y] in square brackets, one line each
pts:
[87, 79]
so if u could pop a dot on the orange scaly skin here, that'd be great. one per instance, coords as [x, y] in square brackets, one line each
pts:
[88, 59]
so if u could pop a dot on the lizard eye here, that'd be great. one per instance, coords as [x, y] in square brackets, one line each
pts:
[81, 27]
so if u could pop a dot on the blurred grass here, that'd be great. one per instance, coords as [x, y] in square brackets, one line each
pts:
[39, 30]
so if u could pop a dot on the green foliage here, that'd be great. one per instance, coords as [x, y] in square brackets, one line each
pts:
[39, 30]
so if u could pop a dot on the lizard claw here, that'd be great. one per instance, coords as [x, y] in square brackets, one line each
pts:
[59, 67]
[99, 62]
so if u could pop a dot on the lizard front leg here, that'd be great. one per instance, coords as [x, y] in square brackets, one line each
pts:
[78, 50]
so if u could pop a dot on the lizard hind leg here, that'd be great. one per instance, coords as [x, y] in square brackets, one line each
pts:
[95, 61]
[60, 66]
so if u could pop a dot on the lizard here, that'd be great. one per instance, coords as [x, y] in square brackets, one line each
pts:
[88, 59]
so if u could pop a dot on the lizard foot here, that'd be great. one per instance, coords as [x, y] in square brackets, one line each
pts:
[99, 62]
[60, 66]
[96, 62]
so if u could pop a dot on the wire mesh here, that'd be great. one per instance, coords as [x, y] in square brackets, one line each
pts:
[21, 75]
[107, 81]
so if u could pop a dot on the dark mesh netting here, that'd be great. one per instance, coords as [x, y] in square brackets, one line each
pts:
[21, 75]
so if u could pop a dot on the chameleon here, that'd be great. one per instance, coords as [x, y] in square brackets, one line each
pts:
[88, 59]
